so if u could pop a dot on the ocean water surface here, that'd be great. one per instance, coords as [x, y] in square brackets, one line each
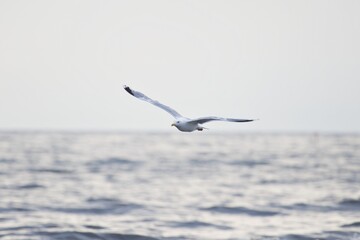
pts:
[176, 186]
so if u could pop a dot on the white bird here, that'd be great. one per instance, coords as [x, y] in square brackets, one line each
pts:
[182, 123]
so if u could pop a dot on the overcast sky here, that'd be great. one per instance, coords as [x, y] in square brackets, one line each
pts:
[293, 64]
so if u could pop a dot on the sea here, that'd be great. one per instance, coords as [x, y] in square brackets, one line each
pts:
[179, 186]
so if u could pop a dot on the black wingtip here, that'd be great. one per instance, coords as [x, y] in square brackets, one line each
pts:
[128, 90]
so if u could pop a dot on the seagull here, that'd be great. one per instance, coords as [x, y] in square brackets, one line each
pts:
[182, 123]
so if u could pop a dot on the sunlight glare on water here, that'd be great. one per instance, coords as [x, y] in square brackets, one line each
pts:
[179, 186]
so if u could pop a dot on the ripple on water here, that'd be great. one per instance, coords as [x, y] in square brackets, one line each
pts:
[340, 235]
[51, 170]
[297, 237]
[110, 164]
[14, 209]
[198, 224]
[307, 207]
[94, 227]
[30, 186]
[76, 235]
[354, 224]
[99, 206]
[349, 202]
[7, 160]
[3, 219]
[241, 210]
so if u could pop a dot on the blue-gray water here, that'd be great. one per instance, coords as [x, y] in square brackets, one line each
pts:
[179, 186]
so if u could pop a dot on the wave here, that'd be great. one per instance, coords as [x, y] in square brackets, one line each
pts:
[103, 200]
[344, 205]
[328, 235]
[120, 209]
[198, 224]
[113, 161]
[307, 207]
[99, 206]
[6, 160]
[241, 210]
[4, 219]
[341, 235]
[94, 227]
[109, 164]
[297, 237]
[248, 163]
[76, 235]
[30, 186]
[350, 202]
[12, 229]
[15, 209]
[51, 170]
[354, 224]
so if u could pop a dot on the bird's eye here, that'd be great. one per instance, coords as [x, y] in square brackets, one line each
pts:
[177, 122]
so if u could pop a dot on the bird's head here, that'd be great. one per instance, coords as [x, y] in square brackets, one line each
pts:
[176, 123]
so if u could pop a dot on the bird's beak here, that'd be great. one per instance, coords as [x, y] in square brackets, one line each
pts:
[173, 124]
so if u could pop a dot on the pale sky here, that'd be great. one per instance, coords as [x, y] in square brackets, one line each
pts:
[295, 65]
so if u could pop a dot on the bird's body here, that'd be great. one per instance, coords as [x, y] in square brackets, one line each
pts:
[185, 125]
[182, 123]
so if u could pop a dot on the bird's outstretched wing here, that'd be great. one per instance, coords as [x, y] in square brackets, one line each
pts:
[208, 119]
[145, 98]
